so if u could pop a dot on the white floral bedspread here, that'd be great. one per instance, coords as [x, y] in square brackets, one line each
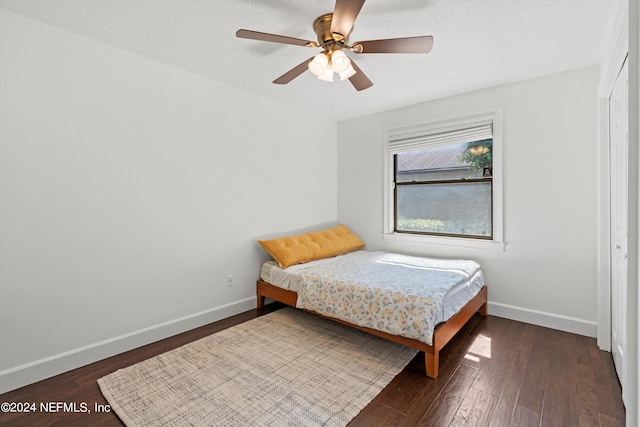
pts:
[393, 293]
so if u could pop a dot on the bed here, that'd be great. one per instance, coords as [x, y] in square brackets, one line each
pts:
[329, 273]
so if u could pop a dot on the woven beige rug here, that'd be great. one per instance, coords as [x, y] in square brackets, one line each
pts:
[288, 368]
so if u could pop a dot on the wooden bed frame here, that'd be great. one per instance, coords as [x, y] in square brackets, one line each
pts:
[441, 336]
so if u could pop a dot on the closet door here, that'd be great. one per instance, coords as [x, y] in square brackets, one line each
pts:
[619, 143]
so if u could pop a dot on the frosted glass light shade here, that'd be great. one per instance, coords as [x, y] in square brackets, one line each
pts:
[347, 73]
[339, 61]
[319, 64]
[328, 74]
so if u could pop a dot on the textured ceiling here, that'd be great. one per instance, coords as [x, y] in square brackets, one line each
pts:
[477, 43]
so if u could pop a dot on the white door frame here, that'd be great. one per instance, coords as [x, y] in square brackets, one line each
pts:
[633, 297]
[625, 40]
[620, 223]
[609, 73]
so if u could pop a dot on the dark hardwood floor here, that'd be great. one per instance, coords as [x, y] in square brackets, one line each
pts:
[495, 372]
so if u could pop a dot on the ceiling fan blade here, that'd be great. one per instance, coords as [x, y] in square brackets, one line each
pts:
[293, 73]
[359, 80]
[256, 35]
[344, 15]
[421, 44]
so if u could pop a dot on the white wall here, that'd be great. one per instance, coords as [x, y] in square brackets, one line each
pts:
[547, 275]
[129, 190]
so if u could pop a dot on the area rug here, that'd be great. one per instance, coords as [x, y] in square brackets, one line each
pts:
[288, 367]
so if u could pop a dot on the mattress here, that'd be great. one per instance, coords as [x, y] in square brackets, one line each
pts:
[293, 277]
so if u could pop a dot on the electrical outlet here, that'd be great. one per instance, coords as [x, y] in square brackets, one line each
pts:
[229, 280]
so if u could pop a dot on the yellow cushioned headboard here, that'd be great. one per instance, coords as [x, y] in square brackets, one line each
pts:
[311, 246]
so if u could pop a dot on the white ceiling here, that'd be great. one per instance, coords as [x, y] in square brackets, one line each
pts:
[477, 43]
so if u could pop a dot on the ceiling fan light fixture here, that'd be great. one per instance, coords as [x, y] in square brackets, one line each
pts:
[344, 75]
[332, 31]
[319, 65]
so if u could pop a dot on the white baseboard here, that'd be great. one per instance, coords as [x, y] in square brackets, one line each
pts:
[30, 373]
[48, 367]
[541, 318]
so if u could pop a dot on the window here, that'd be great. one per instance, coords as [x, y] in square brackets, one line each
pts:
[444, 181]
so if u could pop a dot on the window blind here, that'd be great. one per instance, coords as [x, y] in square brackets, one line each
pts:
[440, 136]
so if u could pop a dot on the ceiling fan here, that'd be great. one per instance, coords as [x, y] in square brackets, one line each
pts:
[332, 30]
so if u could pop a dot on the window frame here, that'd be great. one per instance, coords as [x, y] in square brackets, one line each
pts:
[389, 232]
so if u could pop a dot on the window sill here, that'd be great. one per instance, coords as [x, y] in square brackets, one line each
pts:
[446, 241]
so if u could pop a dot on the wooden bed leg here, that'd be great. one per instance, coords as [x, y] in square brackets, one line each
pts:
[260, 302]
[483, 310]
[431, 361]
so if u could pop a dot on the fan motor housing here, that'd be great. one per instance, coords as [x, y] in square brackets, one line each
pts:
[322, 28]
